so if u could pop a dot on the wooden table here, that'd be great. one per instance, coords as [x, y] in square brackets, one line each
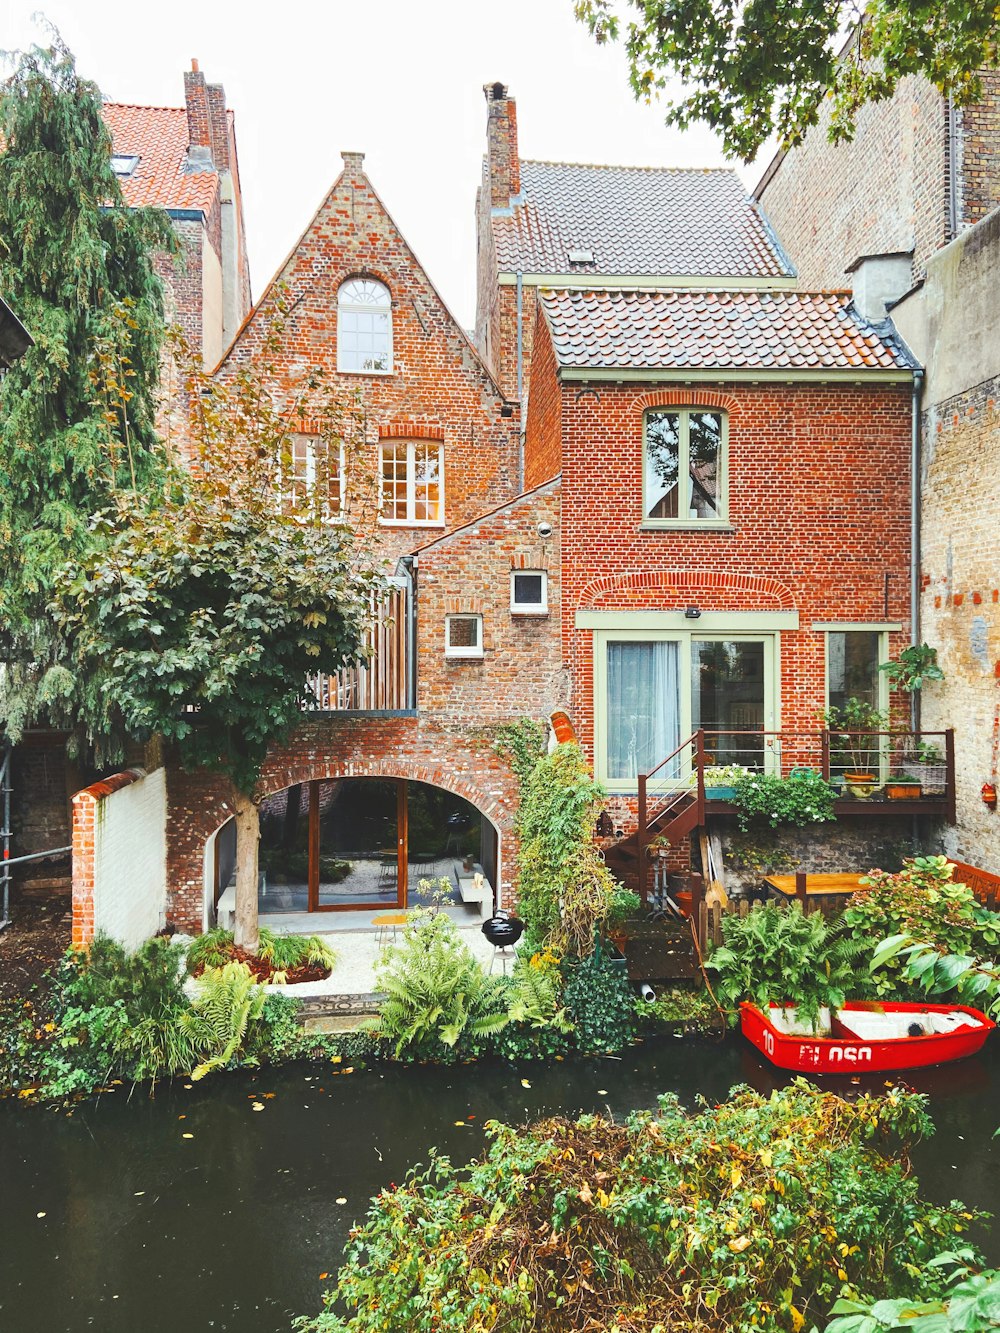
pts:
[808, 886]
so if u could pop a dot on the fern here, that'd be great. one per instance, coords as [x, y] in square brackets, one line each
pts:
[436, 993]
[535, 997]
[227, 1003]
[213, 949]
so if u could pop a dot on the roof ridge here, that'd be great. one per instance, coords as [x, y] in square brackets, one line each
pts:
[616, 166]
[642, 289]
[145, 106]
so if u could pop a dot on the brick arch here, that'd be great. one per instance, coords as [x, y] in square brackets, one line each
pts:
[689, 396]
[671, 589]
[410, 430]
[365, 272]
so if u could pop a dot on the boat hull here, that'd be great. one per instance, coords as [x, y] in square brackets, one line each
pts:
[856, 1055]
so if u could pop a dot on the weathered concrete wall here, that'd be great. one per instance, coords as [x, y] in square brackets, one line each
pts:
[952, 323]
[120, 857]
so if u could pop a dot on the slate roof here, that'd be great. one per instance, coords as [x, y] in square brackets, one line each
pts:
[639, 222]
[159, 135]
[709, 330]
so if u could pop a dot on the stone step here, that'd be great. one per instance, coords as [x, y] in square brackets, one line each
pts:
[336, 1013]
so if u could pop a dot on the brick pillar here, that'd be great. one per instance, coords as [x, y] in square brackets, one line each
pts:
[501, 145]
[218, 126]
[84, 829]
[196, 101]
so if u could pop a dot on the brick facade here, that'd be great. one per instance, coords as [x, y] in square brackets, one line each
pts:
[438, 387]
[818, 507]
[459, 759]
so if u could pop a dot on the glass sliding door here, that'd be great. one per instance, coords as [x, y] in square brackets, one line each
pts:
[728, 699]
[643, 705]
[357, 834]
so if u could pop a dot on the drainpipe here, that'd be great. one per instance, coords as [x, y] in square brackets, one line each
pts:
[408, 562]
[918, 385]
[953, 170]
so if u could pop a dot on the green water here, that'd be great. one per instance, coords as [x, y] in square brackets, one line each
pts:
[144, 1229]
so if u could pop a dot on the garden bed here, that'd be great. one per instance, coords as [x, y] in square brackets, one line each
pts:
[264, 970]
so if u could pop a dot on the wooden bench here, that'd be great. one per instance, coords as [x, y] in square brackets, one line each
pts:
[983, 883]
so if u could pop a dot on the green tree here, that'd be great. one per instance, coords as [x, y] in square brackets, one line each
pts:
[761, 68]
[200, 618]
[77, 411]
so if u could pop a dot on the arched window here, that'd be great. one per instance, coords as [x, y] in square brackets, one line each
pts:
[364, 326]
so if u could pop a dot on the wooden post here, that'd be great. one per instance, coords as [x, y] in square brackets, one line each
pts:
[949, 772]
[699, 758]
[641, 841]
[699, 912]
[825, 753]
[800, 888]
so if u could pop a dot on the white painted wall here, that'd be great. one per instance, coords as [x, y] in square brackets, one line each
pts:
[130, 860]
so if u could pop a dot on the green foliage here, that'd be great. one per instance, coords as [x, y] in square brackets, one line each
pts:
[624, 905]
[213, 948]
[436, 992]
[539, 1027]
[913, 667]
[971, 1303]
[777, 954]
[753, 1215]
[77, 410]
[564, 888]
[923, 903]
[803, 798]
[855, 742]
[598, 999]
[227, 1003]
[763, 855]
[674, 1006]
[522, 744]
[286, 952]
[759, 69]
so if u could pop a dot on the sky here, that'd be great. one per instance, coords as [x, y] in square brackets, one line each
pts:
[398, 80]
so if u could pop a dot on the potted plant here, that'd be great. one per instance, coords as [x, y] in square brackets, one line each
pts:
[903, 787]
[855, 728]
[721, 780]
[913, 667]
[624, 905]
[925, 763]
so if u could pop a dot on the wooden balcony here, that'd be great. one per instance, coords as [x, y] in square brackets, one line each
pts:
[379, 681]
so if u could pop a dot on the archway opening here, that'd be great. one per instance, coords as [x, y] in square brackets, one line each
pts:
[337, 844]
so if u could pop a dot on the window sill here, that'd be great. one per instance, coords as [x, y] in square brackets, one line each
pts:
[463, 657]
[410, 523]
[535, 612]
[687, 525]
[378, 374]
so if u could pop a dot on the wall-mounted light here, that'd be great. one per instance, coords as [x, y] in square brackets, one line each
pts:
[989, 794]
[692, 613]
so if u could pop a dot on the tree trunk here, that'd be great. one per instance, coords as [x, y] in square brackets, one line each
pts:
[247, 841]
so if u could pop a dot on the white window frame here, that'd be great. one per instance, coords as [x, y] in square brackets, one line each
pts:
[771, 640]
[683, 470]
[287, 481]
[529, 608]
[475, 650]
[411, 521]
[346, 306]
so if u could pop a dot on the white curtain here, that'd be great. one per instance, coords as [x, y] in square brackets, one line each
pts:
[643, 706]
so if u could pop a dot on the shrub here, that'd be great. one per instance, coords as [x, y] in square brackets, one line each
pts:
[539, 1026]
[436, 991]
[778, 954]
[283, 953]
[922, 902]
[752, 1217]
[764, 798]
[598, 999]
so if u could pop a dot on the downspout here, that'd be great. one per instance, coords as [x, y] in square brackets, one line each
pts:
[520, 378]
[408, 562]
[918, 385]
[953, 170]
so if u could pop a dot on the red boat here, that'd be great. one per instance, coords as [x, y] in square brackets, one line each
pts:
[867, 1036]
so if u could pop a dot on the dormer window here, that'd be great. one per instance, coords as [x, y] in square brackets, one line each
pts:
[364, 327]
[123, 164]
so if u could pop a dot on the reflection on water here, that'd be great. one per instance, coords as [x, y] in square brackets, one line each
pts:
[232, 1227]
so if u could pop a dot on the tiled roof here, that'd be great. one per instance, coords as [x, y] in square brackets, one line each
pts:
[706, 330]
[159, 136]
[637, 221]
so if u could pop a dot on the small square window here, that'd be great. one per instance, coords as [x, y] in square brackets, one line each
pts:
[463, 636]
[529, 592]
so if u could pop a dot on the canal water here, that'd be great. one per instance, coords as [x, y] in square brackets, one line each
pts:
[194, 1210]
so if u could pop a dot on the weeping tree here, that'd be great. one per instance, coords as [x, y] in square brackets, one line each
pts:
[77, 411]
[761, 68]
[202, 617]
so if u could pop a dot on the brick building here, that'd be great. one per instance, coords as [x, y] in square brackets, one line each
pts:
[912, 203]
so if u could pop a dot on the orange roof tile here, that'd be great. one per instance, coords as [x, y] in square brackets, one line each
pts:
[158, 135]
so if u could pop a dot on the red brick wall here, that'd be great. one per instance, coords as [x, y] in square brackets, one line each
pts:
[543, 428]
[438, 387]
[459, 759]
[469, 571]
[819, 506]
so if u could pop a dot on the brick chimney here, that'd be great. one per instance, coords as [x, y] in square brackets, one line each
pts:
[353, 167]
[502, 161]
[196, 101]
[218, 126]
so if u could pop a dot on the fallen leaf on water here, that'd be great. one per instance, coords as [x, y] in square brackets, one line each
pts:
[257, 1106]
[525, 1083]
[340, 1200]
[323, 1275]
[602, 1092]
[139, 1193]
[39, 1214]
[187, 1136]
[460, 1124]
[182, 1117]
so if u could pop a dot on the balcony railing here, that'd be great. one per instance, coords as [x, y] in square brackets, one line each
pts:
[380, 680]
